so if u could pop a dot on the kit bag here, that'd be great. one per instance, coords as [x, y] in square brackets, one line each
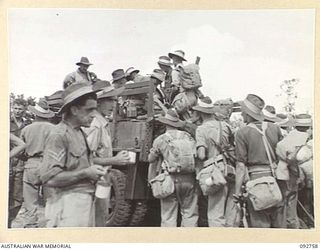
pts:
[217, 171]
[162, 186]
[181, 154]
[211, 180]
[264, 192]
[190, 76]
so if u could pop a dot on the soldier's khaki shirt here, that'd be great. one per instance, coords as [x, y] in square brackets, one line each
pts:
[160, 147]
[175, 75]
[99, 137]
[67, 150]
[249, 146]
[15, 129]
[35, 136]
[77, 77]
[208, 135]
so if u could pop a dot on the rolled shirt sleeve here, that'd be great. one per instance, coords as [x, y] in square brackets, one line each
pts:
[241, 148]
[70, 78]
[155, 151]
[201, 138]
[181, 103]
[55, 156]
[175, 78]
[93, 135]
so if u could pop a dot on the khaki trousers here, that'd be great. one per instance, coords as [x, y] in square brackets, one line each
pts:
[31, 186]
[231, 212]
[68, 209]
[216, 208]
[186, 197]
[15, 189]
[274, 217]
[291, 210]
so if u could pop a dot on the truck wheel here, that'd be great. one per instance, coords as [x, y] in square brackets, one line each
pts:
[139, 209]
[119, 211]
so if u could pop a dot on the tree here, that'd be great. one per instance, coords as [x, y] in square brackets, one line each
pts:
[287, 87]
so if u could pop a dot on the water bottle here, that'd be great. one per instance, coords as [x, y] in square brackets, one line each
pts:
[103, 189]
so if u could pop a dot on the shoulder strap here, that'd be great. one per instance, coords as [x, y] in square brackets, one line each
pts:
[266, 144]
[264, 128]
[220, 133]
[86, 142]
[219, 138]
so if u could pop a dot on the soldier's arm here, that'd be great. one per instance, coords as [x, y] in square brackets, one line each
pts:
[152, 157]
[68, 80]
[159, 103]
[19, 145]
[175, 78]
[241, 155]
[54, 172]
[93, 76]
[240, 177]
[181, 103]
[93, 135]
[201, 152]
[67, 178]
[155, 160]
[155, 151]
[122, 158]
[201, 144]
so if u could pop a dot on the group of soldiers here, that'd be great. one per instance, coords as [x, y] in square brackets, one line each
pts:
[196, 156]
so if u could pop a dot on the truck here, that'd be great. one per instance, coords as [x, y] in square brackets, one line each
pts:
[133, 129]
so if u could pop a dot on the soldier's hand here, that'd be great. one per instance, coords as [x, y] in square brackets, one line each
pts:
[95, 172]
[174, 88]
[237, 198]
[122, 158]
[93, 76]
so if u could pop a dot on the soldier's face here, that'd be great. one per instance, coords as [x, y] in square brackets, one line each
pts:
[176, 60]
[130, 77]
[84, 68]
[244, 116]
[105, 107]
[85, 114]
[18, 110]
[165, 68]
[119, 83]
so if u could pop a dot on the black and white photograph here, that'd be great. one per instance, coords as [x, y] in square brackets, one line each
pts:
[161, 118]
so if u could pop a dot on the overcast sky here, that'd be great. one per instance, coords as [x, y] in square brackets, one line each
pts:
[250, 51]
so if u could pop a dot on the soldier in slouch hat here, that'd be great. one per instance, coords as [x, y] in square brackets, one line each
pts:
[81, 75]
[253, 161]
[68, 164]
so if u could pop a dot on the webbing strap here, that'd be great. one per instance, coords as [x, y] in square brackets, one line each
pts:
[266, 144]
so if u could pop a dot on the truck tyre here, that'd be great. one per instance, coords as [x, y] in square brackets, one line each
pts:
[120, 209]
[139, 211]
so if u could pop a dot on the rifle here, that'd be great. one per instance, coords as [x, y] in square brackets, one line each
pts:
[198, 91]
[198, 60]
[306, 212]
[241, 202]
